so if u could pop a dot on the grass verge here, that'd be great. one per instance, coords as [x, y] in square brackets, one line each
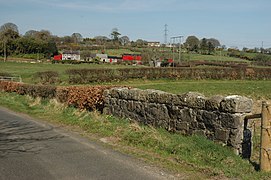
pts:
[192, 155]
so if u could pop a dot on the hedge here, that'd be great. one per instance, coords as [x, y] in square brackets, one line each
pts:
[82, 97]
[84, 76]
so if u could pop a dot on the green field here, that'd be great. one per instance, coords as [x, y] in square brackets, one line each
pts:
[255, 89]
[197, 156]
[27, 70]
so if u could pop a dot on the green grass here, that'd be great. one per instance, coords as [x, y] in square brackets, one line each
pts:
[259, 89]
[216, 57]
[194, 156]
[27, 70]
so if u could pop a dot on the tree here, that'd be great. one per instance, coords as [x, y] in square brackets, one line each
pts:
[8, 33]
[192, 43]
[204, 46]
[140, 43]
[214, 41]
[31, 33]
[211, 47]
[77, 38]
[124, 40]
[9, 26]
[115, 34]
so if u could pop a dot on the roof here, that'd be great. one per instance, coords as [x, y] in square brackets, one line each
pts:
[71, 52]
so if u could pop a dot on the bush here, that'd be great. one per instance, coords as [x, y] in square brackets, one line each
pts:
[47, 77]
[37, 91]
[9, 86]
[87, 97]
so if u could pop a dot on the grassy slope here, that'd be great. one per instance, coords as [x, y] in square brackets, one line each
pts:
[193, 156]
[27, 70]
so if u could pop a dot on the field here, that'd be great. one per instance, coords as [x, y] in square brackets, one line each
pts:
[255, 89]
[208, 159]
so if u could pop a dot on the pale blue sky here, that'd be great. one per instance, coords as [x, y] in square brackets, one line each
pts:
[242, 23]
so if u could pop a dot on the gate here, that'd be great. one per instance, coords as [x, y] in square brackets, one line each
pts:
[265, 138]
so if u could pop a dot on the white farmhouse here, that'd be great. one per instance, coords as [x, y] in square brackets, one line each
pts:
[71, 55]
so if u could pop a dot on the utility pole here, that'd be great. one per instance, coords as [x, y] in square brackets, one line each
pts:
[180, 42]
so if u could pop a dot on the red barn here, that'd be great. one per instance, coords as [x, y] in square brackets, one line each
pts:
[131, 57]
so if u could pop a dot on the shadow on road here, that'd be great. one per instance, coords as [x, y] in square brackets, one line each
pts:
[18, 137]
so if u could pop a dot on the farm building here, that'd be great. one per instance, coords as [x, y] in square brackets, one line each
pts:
[114, 59]
[71, 55]
[58, 57]
[154, 44]
[103, 57]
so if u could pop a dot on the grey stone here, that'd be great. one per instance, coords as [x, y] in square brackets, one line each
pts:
[222, 135]
[189, 113]
[210, 119]
[193, 100]
[213, 103]
[186, 115]
[182, 126]
[236, 104]
[236, 138]
[234, 121]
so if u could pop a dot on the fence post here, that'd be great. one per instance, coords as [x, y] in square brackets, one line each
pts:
[265, 149]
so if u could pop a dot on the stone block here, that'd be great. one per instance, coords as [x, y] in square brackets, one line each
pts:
[213, 103]
[222, 135]
[236, 104]
[210, 119]
[236, 138]
[234, 121]
[193, 100]
[186, 115]
[182, 126]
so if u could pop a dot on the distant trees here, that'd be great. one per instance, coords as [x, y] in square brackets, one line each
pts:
[8, 33]
[124, 40]
[115, 34]
[77, 38]
[204, 46]
[31, 43]
[192, 43]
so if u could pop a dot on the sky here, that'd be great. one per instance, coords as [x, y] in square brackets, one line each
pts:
[235, 23]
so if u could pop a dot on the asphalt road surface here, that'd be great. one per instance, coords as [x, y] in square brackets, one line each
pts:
[35, 150]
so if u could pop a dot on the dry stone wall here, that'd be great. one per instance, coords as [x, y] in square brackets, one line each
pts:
[218, 118]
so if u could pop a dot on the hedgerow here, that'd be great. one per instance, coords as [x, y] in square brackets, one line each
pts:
[82, 97]
[84, 76]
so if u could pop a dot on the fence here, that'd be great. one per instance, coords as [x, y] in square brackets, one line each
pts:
[13, 78]
[265, 137]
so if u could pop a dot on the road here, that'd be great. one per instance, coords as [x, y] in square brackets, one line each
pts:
[31, 149]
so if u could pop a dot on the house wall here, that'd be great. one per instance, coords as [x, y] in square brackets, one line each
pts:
[71, 57]
[218, 118]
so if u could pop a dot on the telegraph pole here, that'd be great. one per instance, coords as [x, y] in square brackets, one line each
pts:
[180, 42]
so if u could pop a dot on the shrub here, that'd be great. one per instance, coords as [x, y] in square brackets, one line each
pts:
[89, 98]
[37, 91]
[9, 86]
[47, 77]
